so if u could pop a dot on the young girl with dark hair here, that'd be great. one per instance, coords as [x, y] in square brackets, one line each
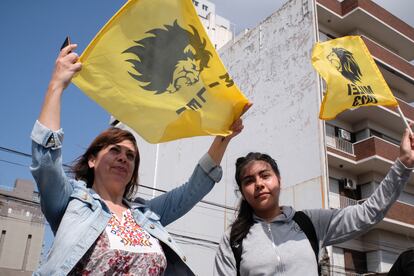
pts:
[269, 239]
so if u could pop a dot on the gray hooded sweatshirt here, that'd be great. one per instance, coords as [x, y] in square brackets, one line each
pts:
[280, 247]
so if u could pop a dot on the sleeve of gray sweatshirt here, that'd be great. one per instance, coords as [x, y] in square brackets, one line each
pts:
[224, 263]
[339, 225]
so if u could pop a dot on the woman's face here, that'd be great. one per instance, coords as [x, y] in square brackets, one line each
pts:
[260, 187]
[114, 164]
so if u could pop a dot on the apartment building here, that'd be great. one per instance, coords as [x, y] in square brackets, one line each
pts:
[361, 144]
[218, 28]
[22, 227]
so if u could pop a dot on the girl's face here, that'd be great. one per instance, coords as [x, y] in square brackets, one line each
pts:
[114, 164]
[260, 187]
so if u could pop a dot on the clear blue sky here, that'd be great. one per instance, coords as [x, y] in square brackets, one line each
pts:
[31, 33]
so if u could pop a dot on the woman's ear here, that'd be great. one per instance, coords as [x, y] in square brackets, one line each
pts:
[91, 162]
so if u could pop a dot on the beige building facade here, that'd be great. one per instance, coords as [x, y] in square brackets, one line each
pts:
[22, 228]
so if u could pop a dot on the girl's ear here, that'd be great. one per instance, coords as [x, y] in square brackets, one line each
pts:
[242, 195]
[238, 193]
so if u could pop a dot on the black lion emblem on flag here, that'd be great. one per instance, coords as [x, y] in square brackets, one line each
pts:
[344, 62]
[169, 59]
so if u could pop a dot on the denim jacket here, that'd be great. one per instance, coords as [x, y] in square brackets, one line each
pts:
[77, 215]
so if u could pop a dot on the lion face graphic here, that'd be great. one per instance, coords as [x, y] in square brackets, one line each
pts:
[169, 59]
[344, 62]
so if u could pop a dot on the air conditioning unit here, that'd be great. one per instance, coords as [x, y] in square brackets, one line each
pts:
[349, 184]
[343, 134]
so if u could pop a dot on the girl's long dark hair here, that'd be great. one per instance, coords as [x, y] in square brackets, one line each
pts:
[244, 219]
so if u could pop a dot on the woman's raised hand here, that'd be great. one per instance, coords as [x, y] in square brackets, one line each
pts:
[407, 149]
[237, 125]
[66, 65]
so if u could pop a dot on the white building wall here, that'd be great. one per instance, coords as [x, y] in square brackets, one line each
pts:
[338, 260]
[380, 261]
[271, 65]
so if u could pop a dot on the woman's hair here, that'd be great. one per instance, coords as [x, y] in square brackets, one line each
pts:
[244, 220]
[81, 170]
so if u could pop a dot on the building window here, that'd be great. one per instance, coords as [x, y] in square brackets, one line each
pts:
[205, 7]
[383, 136]
[195, 3]
[355, 261]
[2, 238]
[26, 252]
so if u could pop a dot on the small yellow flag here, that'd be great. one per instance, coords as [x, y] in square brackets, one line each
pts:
[352, 77]
[153, 68]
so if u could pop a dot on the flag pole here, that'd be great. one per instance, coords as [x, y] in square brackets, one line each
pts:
[404, 119]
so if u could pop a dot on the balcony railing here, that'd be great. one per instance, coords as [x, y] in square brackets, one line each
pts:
[338, 201]
[371, 146]
[340, 144]
[338, 270]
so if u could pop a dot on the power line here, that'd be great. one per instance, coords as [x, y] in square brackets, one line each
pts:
[15, 152]
[68, 166]
[9, 150]
[13, 163]
[203, 201]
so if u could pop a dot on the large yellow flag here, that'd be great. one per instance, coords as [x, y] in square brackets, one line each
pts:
[352, 77]
[153, 68]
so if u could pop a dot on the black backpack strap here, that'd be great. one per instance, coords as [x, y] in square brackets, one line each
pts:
[237, 248]
[306, 225]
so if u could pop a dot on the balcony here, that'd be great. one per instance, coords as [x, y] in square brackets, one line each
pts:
[384, 116]
[374, 146]
[407, 110]
[370, 154]
[389, 58]
[340, 144]
[399, 218]
[401, 212]
[338, 201]
[349, 15]
[389, 39]
[398, 72]
[364, 149]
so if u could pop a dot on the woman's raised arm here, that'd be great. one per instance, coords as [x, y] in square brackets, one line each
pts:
[66, 66]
